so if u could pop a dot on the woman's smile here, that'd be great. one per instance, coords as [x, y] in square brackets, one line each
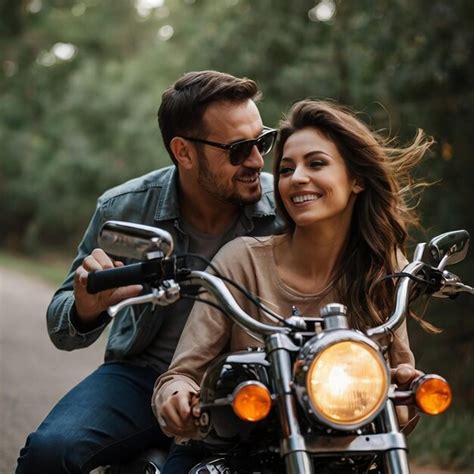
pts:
[306, 198]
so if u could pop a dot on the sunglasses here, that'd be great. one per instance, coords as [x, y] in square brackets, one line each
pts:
[241, 150]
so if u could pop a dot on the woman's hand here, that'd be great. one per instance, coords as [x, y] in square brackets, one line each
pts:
[178, 414]
[403, 375]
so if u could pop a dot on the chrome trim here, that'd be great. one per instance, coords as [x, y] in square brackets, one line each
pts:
[395, 460]
[374, 443]
[292, 442]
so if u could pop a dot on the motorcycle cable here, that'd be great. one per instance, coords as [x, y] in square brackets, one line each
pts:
[404, 274]
[252, 298]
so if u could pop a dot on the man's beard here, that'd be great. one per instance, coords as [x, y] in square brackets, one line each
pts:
[211, 184]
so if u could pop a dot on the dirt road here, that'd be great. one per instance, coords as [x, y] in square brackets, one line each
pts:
[33, 373]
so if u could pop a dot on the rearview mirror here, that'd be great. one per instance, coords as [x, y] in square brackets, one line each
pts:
[449, 248]
[136, 241]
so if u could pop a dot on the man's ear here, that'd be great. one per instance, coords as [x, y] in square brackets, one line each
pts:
[182, 152]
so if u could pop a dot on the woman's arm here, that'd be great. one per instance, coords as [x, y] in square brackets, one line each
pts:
[403, 372]
[205, 336]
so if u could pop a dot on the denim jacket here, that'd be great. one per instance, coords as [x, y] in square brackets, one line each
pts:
[151, 200]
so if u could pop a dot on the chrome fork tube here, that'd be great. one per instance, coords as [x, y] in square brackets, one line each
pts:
[395, 460]
[293, 446]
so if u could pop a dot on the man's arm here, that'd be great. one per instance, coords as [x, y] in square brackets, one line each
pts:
[75, 319]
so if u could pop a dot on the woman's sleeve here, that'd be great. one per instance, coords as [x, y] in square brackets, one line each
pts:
[205, 336]
[400, 352]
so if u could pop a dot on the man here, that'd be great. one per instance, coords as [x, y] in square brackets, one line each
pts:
[215, 191]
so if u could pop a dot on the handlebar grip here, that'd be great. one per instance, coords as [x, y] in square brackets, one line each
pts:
[115, 277]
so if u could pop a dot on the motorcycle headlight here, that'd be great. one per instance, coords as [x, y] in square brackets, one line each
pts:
[346, 382]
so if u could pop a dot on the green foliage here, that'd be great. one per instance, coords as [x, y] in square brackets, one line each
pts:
[444, 440]
[72, 128]
[49, 268]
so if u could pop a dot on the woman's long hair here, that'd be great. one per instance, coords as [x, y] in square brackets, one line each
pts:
[382, 211]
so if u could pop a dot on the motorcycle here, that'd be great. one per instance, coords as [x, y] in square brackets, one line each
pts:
[317, 396]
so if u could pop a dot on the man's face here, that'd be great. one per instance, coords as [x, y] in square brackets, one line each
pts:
[227, 122]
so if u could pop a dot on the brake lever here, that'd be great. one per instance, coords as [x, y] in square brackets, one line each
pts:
[451, 286]
[166, 294]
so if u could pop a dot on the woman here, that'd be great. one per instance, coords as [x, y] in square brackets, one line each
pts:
[343, 192]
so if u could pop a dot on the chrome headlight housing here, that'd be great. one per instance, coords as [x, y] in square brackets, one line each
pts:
[342, 379]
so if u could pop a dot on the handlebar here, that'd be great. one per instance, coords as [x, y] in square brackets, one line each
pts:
[136, 273]
[114, 277]
[217, 287]
[157, 270]
[401, 304]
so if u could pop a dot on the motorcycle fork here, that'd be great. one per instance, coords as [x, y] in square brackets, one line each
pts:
[395, 460]
[292, 444]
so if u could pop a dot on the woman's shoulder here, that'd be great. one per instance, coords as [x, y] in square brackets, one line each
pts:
[248, 243]
[242, 249]
[400, 260]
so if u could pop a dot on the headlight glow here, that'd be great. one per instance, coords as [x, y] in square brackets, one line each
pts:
[347, 382]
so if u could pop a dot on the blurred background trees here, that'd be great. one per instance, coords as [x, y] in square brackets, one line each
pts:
[81, 80]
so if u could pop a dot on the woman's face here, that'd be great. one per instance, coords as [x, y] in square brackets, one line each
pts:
[314, 183]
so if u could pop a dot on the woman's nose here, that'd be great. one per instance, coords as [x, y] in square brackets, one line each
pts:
[300, 175]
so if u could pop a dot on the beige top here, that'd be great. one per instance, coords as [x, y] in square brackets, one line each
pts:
[208, 333]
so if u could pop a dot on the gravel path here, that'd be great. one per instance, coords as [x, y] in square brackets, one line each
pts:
[33, 373]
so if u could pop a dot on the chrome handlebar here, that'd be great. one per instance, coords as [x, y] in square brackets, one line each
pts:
[169, 292]
[401, 304]
[217, 287]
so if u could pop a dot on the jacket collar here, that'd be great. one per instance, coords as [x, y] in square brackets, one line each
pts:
[168, 202]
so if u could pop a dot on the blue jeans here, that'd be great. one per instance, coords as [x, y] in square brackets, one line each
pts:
[105, 419]
[182, 458]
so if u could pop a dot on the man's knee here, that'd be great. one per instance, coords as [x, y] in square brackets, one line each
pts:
[50, 452]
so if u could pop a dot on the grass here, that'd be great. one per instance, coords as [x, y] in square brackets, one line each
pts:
[52, 269]
[444, 440]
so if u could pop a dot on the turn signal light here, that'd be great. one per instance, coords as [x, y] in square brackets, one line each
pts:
[433, 395]
[252, 401]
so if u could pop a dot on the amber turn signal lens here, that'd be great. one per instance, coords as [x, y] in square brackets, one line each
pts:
[433, 395]
[252, 401]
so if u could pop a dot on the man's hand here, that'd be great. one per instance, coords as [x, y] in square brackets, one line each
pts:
[178, 413]
[403, 375]
[89, 307]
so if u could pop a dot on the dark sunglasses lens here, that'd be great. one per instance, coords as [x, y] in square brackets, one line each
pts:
[240, 152]
[265, 143]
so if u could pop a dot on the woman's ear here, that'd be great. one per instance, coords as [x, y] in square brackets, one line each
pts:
[358, 186]
[182, 152]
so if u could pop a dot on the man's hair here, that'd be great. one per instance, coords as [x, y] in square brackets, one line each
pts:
[184, 103]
